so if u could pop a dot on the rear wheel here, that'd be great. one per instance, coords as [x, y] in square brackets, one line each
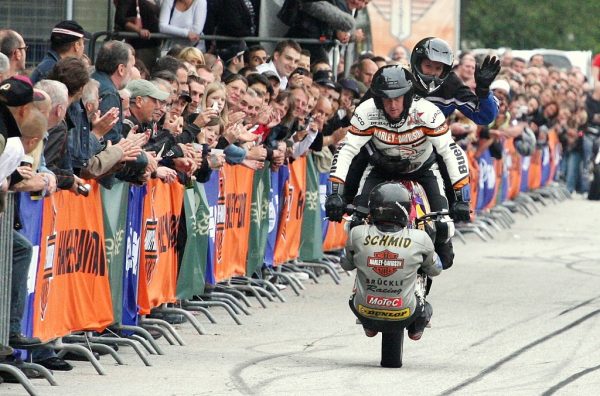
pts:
[391, 348]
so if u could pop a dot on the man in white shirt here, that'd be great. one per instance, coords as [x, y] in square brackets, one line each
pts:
[10, 158]
[284, 61]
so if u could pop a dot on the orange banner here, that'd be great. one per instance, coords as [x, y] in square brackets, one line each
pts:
[514, 168]
[555, 153]
[336, 236]
[157, 278]
[473, 181]
[72, 287]
[287, 244]
[498, 171]
[535, 170]
[233, 221]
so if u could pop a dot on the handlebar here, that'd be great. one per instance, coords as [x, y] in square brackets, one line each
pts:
[361, 210]
[433, 215]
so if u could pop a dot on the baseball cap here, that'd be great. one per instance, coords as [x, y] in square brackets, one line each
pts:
[67, 32]
[271, 75]
[146, 88]
[501, 85]
[324, 78]
[232, 51]
[17, 91]
[302, 71]
[185, 95]
[322, 75]
[350, 85]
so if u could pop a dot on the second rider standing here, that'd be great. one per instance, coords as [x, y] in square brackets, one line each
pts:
[402, 133]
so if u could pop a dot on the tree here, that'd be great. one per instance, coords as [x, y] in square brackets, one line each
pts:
[517, 24]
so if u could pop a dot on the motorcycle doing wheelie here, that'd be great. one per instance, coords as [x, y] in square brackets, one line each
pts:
[394, 256]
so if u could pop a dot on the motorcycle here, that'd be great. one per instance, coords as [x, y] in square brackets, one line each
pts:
[420, 217]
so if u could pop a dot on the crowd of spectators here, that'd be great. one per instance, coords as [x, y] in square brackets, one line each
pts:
[176, 118]
[134, 115]
[536, 98]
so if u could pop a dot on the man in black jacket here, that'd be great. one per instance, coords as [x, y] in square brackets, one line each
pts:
[320, 20]
[236, 18]
[141, 17]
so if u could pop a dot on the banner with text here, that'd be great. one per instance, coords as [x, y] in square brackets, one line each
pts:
[158, 267]
[73, 290]
[287, 245]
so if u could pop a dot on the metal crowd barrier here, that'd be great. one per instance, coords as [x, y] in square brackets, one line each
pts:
[116, 35]
[6, 227]
[6, 254]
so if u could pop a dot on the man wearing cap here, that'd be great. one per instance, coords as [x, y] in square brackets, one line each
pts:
[16, 112]
[327, 87]
[13, 46]
[233, 58]
[16, 94]
[145, 100]
[274, 80]
[67, 39]
[336, 128]
[349, 95]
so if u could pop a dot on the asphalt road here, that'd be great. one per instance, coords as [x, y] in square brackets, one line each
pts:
[519, 315]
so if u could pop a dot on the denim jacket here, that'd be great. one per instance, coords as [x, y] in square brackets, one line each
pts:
[43, 69]
[80, 146]
[109, 98]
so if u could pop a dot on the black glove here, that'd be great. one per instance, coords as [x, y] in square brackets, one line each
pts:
[485, 74]
[460, 210]
[335, 207]
[445, 252]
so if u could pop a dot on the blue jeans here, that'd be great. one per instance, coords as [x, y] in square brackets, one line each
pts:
[22, 251]
[586, 172]
[573, 161]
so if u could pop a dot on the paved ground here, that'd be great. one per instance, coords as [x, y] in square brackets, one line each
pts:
[519, 316]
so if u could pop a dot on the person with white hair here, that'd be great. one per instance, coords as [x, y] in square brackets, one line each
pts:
[55, 149]
[59, 100]
[4, 66]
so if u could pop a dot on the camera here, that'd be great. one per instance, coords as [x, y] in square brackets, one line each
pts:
[84, 189]
[521, 113]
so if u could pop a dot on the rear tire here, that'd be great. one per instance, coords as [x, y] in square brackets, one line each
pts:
[391, 349]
